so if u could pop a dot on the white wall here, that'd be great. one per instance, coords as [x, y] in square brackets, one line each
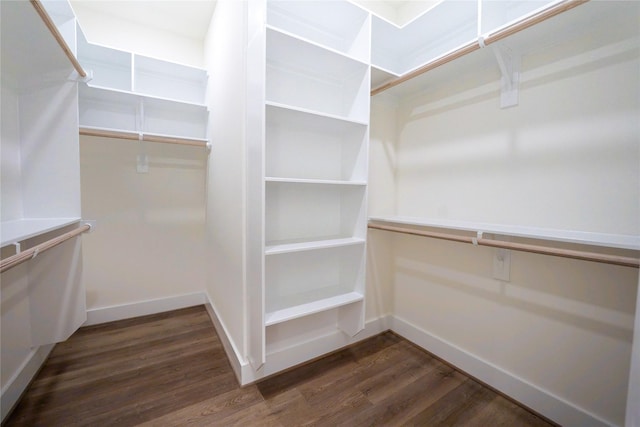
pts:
[149, 239]
[117, 32]
[633, 409]
[11, 170]
[381, 202]
[225, 226]
[566, 157]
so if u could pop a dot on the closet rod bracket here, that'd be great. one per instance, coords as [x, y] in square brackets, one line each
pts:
[75, 77]
[509, 64]
[91, 223]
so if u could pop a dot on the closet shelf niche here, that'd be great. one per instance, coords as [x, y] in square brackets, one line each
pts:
[314, 78]
[313, 212]
[307, 282]
[134, 93]
[302, 145]
[335, 25]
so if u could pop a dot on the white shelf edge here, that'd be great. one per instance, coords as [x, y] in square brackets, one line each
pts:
[315, 181]
[181, 64]
[27, 228]
[147, 96]
[618, 241]
[295, 312]
[314, 113]
[136, 133]
[282, 248]
[270, 27]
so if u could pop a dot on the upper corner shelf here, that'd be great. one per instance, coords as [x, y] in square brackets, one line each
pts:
[28, 48]
[340, 26]
[125, 71]
[441, 29]
[524, 26]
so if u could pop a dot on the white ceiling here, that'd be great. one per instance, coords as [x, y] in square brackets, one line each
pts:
[189, 18]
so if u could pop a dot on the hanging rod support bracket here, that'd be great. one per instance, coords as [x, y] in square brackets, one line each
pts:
[509, 64]
[91, 223]
[75, 77]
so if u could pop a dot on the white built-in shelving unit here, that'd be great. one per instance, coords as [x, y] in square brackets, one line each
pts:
[40, 155]
[310, 150]
[134, 94]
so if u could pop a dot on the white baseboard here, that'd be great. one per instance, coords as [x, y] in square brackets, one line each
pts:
[238, 364]
[291, 356]
[12, 391]
[539, 400]
[142, 308]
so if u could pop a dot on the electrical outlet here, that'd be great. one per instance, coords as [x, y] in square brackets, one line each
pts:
[502, 265]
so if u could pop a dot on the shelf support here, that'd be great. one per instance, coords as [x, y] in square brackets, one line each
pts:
[75, 77]
[509, 64]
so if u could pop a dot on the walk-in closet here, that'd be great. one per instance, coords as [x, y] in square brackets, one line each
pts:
[462, 173]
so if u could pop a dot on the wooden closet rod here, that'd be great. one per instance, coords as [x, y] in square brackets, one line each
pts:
[31, 253]
[37, 4]
[472, 46]
[134, 136]
[523, 247]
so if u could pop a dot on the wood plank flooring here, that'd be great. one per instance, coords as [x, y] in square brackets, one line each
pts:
[170, 369]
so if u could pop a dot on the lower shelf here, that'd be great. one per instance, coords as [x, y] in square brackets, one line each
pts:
[297, 245]
[307, 309]
[22, 229]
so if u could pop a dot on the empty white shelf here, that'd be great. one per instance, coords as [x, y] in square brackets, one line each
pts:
[314, 181]
[317, 306]
[335, 117]
[22, 229]
[570, 236]
[281, 247]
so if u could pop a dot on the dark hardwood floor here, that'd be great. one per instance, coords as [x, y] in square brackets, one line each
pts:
[170, 370]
